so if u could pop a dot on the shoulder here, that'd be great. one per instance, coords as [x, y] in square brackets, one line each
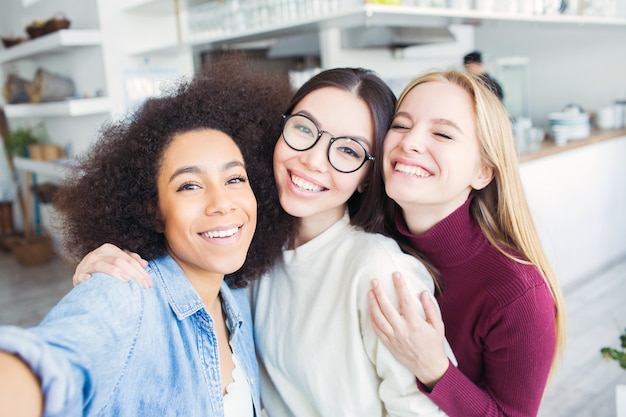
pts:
[509, 273]
[510, 282]
[101, 296]
[378, 256]
[372, 242]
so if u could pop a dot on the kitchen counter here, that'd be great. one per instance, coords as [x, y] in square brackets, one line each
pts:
[577, 194]
[549, 148]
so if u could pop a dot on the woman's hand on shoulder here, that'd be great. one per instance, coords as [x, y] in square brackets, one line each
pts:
[113, 261]
[417, 343]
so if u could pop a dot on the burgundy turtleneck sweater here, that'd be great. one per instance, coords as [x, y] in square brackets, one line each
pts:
[499, 317]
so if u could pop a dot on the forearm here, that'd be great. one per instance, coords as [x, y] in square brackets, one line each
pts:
[20, 392]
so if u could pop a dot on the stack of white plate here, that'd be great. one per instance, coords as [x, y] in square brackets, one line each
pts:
[569, 126]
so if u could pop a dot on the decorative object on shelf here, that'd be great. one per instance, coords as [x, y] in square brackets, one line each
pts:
[48, 86]
[9, 41]
[35, 28]
[572, 123]
[40, 27]
[45, 152]
[16, 89]
[57, 22]
[17, 141]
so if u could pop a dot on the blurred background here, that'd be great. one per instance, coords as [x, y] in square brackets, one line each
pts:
[69, 66]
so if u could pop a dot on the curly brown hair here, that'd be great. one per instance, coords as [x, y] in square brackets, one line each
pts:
[113, 196]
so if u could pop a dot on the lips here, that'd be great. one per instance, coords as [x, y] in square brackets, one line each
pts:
[220, 234]
[305, 185]
[412, 170]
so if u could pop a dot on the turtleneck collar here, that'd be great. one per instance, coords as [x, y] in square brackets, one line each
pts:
[452, 240]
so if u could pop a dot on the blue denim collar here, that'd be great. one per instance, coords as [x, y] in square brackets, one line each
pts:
[183, 298]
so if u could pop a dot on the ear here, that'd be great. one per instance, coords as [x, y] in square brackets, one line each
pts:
[483, 178]
[361, 188]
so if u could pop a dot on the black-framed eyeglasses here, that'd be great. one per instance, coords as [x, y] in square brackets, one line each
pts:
[345, 154]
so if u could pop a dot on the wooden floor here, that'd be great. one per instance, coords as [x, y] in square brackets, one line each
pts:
[584, 385]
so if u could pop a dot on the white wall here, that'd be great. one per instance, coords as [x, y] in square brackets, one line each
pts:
[583, 64]
[578, 199]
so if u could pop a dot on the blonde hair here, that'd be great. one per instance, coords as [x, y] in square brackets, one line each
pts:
[501, 208]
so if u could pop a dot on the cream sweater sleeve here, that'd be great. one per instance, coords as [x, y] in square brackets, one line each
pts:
[397, 387]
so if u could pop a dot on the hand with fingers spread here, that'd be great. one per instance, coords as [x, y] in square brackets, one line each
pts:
[111, 260]
[416, 342]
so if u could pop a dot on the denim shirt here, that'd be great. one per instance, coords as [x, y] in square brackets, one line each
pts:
[111, 348]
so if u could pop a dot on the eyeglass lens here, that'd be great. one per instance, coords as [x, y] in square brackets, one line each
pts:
[344, 154]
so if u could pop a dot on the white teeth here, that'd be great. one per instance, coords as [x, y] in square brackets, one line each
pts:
[411, 170]
[305, 185]
[221, 233]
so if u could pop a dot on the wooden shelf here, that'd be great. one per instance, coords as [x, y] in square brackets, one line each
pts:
[72, 108]
[55, 42]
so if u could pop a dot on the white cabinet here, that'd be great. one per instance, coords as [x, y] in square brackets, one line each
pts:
[214, 24]
[60, 42]
[59, 50]
[75, 53]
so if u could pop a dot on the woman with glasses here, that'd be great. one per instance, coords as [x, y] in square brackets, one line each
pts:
[319, 355]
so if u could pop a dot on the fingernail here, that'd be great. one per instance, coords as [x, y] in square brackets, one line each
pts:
[126, 277]
[146, 283]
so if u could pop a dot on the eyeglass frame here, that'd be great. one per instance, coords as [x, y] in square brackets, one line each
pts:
[320, 133]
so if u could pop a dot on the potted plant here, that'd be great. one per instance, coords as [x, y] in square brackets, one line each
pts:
[618, 355]
[18, 141]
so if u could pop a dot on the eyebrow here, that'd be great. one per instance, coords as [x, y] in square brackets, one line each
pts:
[447, 123]
[194, 169]
[359, 138]
[435, 121]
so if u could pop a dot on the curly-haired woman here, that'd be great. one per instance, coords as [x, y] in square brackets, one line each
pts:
[175, 182]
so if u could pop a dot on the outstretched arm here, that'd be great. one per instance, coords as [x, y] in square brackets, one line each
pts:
[114, 261]
[416, 343]
[20, 392]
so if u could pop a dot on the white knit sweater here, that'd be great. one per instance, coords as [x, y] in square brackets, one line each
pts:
[319, 354]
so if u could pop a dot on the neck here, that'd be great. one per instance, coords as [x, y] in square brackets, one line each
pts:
[208, 290]
[312, 226]
[207, 284]
[421, 218]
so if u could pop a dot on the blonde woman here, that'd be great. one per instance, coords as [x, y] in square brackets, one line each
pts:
[451, 167]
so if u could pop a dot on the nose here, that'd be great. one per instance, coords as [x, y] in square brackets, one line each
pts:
[413, 141]
[218, 201]
[316, 158]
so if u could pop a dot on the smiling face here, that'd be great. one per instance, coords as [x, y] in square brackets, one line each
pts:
[206, 203]
[431, 154]
[309, 187]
